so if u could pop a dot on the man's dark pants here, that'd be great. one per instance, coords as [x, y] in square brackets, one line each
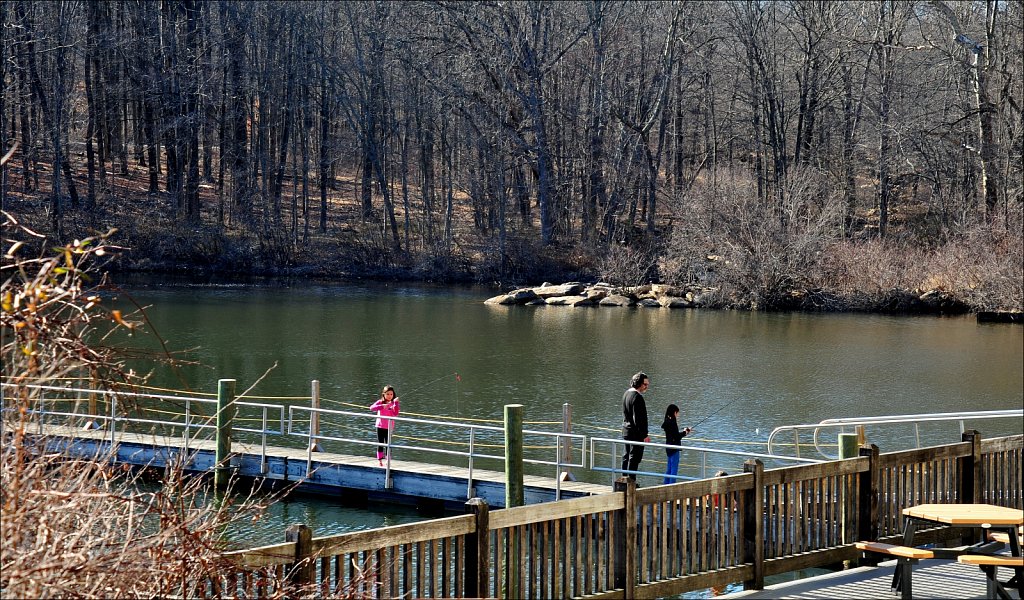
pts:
[634, 454]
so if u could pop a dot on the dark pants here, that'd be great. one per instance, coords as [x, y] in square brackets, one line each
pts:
[634, 454]
[382, 439]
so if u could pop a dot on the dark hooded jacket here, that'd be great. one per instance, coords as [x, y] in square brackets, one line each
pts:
[673, 436]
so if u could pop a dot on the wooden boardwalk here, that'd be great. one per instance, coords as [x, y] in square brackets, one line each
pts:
[933, 579]
[329, 472]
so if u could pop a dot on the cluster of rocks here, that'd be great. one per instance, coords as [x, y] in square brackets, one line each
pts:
[604, 294]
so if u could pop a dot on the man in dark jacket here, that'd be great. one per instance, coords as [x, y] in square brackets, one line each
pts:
[634, 422]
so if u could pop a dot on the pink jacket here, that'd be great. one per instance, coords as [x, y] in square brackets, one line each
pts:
[385, 410]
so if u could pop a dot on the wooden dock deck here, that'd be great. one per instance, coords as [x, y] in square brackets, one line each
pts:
[933, 579]
[349, 477]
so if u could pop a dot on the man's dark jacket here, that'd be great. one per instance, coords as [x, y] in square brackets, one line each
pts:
[634, 416]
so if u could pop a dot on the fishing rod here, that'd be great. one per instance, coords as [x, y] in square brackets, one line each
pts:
[718, 410]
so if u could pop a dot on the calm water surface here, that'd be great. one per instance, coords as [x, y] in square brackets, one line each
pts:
[740, 373]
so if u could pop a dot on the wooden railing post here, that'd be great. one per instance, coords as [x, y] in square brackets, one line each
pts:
[302, 572]
[753, 524]
[867, 496]
[624, 561]
[969, 472]
[513, 455]
[225, 415]
[476, 567]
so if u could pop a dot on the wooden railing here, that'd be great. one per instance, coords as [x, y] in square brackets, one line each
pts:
[657, 541]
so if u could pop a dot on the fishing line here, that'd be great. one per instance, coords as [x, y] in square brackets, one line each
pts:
[430, 383]
[718, 410]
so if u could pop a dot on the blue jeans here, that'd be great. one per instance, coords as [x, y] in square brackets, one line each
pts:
[672, 468]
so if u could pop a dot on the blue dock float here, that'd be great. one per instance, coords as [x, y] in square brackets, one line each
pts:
[349, 478]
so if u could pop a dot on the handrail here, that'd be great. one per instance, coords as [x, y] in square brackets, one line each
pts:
[187, 425]
[615, 442]
[470, 455]
[916, 419]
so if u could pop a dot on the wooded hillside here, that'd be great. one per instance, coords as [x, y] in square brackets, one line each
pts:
[760, 149]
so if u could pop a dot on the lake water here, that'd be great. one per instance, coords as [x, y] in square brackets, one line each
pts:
[738, 374]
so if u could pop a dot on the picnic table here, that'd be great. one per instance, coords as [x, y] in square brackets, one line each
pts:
[987, 517]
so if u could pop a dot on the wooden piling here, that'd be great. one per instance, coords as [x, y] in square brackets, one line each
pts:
[970, 485]
[849, 445]
[93, 422]
[513, 455]
[303, 570]
[566, 443]
[226, 410]
[867, 490]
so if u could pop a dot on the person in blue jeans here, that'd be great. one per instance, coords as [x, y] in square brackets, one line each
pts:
[673, 436]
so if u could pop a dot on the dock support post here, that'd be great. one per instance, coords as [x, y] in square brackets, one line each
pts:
[566, 454]
[476, 568]
[225, 415]
[303, 570]
[970, 480]
[513, 494]
[970, 472]
[624, 561]
[753, 524]
[513, 455]
[93, 422]
[849, 446]
[314, 418]
[867, 501]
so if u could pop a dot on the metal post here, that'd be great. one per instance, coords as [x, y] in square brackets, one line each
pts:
[188, 423]
[615, 447]
[469, 478]
[226, 410]
[113, 418]
[513, 455]
[263, 444]
[558, 476]
[566, 453]
[314, 418]
[388, 484]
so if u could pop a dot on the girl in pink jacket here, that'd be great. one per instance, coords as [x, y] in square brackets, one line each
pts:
[386, 406]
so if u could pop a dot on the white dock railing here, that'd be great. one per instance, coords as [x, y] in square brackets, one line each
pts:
[780, 436]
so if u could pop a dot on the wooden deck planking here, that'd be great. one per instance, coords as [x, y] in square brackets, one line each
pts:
[933, 579]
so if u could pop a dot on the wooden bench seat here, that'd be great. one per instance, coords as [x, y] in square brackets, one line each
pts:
[894, 550]
[993, 560]
[989, 565]
[1001, 536]
[906, 557]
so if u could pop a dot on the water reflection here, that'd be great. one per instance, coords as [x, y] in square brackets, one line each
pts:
[739, 374]
[324, 515]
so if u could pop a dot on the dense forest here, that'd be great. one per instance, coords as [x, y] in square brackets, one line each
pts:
[816, 154]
